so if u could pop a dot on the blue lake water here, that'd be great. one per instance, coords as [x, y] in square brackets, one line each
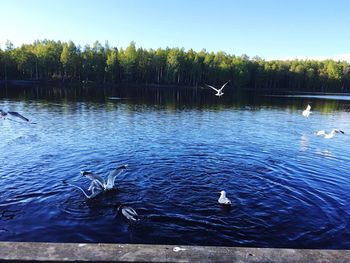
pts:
[289, 188]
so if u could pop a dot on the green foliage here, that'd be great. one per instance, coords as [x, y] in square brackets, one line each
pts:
[113, 67]
[128, 60]
[53, 60]
[69, 59]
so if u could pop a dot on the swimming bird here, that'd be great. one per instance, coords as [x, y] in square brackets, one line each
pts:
[328, 135]
[219, 92]
[98, 184]
[129, 213]
[307, 111]
[5, 114]
[223, 200]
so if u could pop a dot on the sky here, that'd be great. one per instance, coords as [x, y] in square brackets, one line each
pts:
[270, 29]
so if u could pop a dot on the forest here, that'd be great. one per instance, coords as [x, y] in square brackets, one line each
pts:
[48, 60]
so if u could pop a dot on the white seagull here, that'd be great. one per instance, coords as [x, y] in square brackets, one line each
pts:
[223, 200]
[98, 184]
[219, 92]
[5, 114]
[129, 213]
[307, 111]
[328, 135]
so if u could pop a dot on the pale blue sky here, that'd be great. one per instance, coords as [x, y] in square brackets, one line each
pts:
[267, 28]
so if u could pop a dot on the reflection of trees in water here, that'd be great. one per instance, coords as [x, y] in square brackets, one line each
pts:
[172, 98]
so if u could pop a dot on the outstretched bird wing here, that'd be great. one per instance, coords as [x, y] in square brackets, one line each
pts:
[321, 132]
[223, 86]
[337, 131]
[82, 190]
[212, 87]
[94, 177]
[113, 174]
[16, 114]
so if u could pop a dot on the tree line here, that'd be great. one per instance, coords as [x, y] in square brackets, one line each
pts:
[65, 61]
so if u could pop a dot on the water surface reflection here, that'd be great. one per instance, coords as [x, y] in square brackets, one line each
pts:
[289, 187]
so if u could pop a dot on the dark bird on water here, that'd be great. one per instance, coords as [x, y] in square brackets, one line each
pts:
[5, 115]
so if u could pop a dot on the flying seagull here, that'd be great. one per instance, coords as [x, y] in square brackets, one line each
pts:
[98, 183]
[5, 114]
[307, 111]
[129, 213]
[328, 135]
[223, 200]
[219, 92]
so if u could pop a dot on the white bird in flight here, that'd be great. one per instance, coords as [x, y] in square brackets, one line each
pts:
[129, 213]
[307, 111]
[328, 135]
[223, 200]
[98, 184]
[5, 114]
[219, 92]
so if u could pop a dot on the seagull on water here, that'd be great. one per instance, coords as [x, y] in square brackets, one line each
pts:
[98, 183]
[307, 111]
[223, 200]
[5, 114]
[219, 92]
[129, 213]
[328, 135]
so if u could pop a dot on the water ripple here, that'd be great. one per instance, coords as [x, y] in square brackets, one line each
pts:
[288, 187]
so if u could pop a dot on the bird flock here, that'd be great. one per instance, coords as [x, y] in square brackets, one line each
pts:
[99, 185]
[306, 113]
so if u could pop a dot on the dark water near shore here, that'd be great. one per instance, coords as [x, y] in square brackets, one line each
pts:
[289, 188]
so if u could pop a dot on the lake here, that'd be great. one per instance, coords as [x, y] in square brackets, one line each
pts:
[289, 187]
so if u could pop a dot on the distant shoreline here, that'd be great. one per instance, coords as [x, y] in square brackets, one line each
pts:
[50, 61]
[30, 83]
[92, 84]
